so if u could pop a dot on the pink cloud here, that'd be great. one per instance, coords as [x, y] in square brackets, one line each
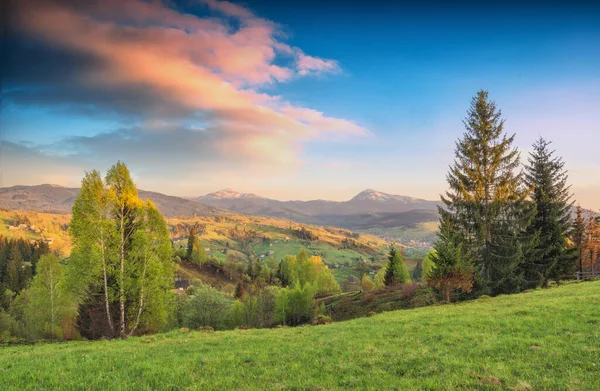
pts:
[199, 65]
[308, 64]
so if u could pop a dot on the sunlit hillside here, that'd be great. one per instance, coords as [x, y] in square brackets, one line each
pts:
[241, 237]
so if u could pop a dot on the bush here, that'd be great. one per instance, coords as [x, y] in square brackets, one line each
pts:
[322, 319]
[409, 289]
[206, 306]
[422, 298]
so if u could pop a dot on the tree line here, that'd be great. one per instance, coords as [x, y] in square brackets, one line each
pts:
[503, 228]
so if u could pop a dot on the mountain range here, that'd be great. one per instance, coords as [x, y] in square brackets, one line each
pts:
[368, 209]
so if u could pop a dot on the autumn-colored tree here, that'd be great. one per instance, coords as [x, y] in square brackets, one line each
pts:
[366, 283]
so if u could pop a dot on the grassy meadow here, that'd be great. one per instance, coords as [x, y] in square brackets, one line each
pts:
[541, 340]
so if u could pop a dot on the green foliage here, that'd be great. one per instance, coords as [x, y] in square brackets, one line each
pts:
[427, 265]
[18, 259]
[367, 284]
[206, 306]
[122, 257]
[471, 346]
[487, 200]
[549, 258]
[294, 305]
[396, 272]
[48, 304]
[304, 270]
[453, 269]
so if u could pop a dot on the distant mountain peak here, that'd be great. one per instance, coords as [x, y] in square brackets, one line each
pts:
[374, 195]
[230, 194]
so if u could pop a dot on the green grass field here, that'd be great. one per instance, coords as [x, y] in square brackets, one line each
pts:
[542, 340]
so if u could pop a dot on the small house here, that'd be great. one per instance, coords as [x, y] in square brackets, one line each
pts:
[181, 285]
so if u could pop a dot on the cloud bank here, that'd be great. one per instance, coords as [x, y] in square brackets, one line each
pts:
[194, 86]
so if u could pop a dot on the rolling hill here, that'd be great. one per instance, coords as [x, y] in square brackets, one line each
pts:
[59, 199]
[505, 343]
[369, 211]
[241, 237]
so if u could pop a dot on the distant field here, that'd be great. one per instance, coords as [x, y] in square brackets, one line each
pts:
[542, 340]
[272, 235]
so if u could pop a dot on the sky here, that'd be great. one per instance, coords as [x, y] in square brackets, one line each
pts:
[291, 100]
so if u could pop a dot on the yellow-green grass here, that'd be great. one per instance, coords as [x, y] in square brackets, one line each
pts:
[542, 340]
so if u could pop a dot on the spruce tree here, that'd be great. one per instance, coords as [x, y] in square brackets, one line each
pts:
[578, 236]
[452, 268]
[486, 202]
[395, 272]
[550, 258]
[191, 242]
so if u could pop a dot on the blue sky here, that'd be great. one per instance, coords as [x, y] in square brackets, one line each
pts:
[292, 100]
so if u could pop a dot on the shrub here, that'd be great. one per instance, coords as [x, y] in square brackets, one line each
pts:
[322, 319]
[409, 288]
[422, 298]
[206, 306]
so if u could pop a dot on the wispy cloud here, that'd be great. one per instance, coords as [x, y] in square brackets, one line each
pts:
[202, 78]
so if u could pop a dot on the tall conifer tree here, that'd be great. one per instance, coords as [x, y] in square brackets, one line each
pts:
[395, 272]
[486, 201]
[550, 258]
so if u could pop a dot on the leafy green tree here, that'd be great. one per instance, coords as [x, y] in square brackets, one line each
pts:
[206, 307]
[367, 284]
[453, 268]
[395, 271]
[486, 202]
[550, 257]
[307, 270]
[48, 304]
[121, 253]
[266, 301]
[294, 305]
[93, 233]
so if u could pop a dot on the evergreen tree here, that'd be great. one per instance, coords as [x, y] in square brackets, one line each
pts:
[427, 265]
[486, 201]
[396, 272]
[417, 273]
[578, 236]
[240, 291]
[453, 270]
[551, 226]
[191, 242]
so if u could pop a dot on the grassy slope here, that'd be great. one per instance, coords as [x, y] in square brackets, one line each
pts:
[48, 221]
[547, 339]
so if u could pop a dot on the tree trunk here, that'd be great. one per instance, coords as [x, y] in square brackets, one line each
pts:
[122, 275]
[141, 302]
[106, 299]
[52, 317]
